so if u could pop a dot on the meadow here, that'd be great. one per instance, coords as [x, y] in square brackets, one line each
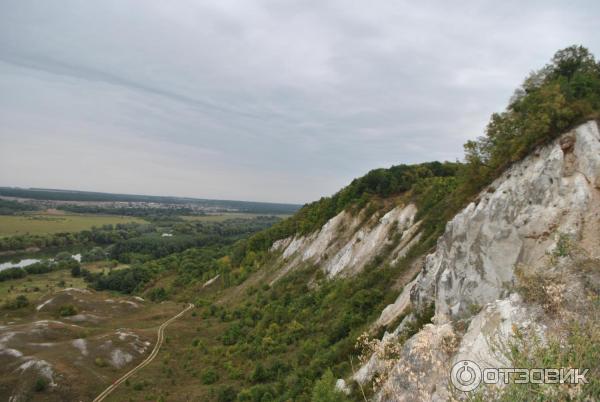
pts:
[44, 223]
[37, 286]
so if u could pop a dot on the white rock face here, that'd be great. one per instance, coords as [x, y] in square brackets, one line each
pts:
[517, 221]
[547, 193]
[392, 311]
[492, 327]
[345, 244]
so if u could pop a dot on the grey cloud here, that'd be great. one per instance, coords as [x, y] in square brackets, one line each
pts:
[263, 100]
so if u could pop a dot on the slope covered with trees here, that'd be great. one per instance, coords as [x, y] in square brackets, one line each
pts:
[551, 100]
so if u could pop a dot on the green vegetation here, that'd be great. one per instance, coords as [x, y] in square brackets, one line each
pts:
[142, 212]
[125, 280]
[40, 384]
[178, 202]
[197, 252]
[13, 207]
[324, 390]
[561, 95]
[67, 310]
[579, 348]
[20, 301]
[315, 328]
[227, 216]
[37, 268]
[291, 340]
[375, 185]
[282, 340]
[34, 286]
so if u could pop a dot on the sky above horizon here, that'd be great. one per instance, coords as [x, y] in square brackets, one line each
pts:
[282, 101]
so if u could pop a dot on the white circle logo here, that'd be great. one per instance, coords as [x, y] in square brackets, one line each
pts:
[465, 375]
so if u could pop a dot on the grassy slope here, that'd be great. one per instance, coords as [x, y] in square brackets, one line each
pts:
[85, 377]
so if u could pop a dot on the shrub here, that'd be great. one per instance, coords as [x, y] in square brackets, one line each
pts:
[157, 294]
[324, 389]
[76, 271]
[40, 384]
[100, 362]
[63, 256]
[67, 310]
[20, 301]
[209, 376]
[12, 273]
[226, 394]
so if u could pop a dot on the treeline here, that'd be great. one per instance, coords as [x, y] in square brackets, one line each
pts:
[219, 205]
[9, 207]
[562, 94]
[558, 97]
[192, 265]
[378, 183]
[37, 268]
[197, 251]
[145, 248]
[124, 280]
[186, 235]
[104, 235]
[130, 211]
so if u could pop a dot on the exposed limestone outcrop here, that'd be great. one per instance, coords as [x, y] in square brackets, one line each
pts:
[346, 243]
[471, 276]
[547, 194]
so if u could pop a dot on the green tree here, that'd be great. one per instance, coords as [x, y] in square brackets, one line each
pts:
[76, 271]
[324, 389]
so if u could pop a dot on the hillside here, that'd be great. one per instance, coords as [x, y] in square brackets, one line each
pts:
[474, 235]
[375, 292]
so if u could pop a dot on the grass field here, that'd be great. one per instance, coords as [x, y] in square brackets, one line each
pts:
[227, 216]
[52, 223]
[39, 285]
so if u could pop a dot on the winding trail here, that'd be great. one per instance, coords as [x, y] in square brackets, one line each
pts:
[159, 341]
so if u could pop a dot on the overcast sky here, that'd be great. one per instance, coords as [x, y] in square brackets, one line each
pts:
[258, 100]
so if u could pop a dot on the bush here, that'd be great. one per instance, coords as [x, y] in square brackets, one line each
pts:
[95, 254]
[76, 271]
[100, 362]
[210, 376]
[324, 389]
[12, 273]
[40, 384]
[157, 294]
[124, 280]
[226, 394]
[63, 256]
[20, 301]
[67, 310]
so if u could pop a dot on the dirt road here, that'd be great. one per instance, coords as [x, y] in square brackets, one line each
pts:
[159, 341]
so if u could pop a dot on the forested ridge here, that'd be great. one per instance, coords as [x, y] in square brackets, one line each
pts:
[553, 99]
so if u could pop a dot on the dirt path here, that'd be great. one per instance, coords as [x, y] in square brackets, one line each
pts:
[159, 341]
